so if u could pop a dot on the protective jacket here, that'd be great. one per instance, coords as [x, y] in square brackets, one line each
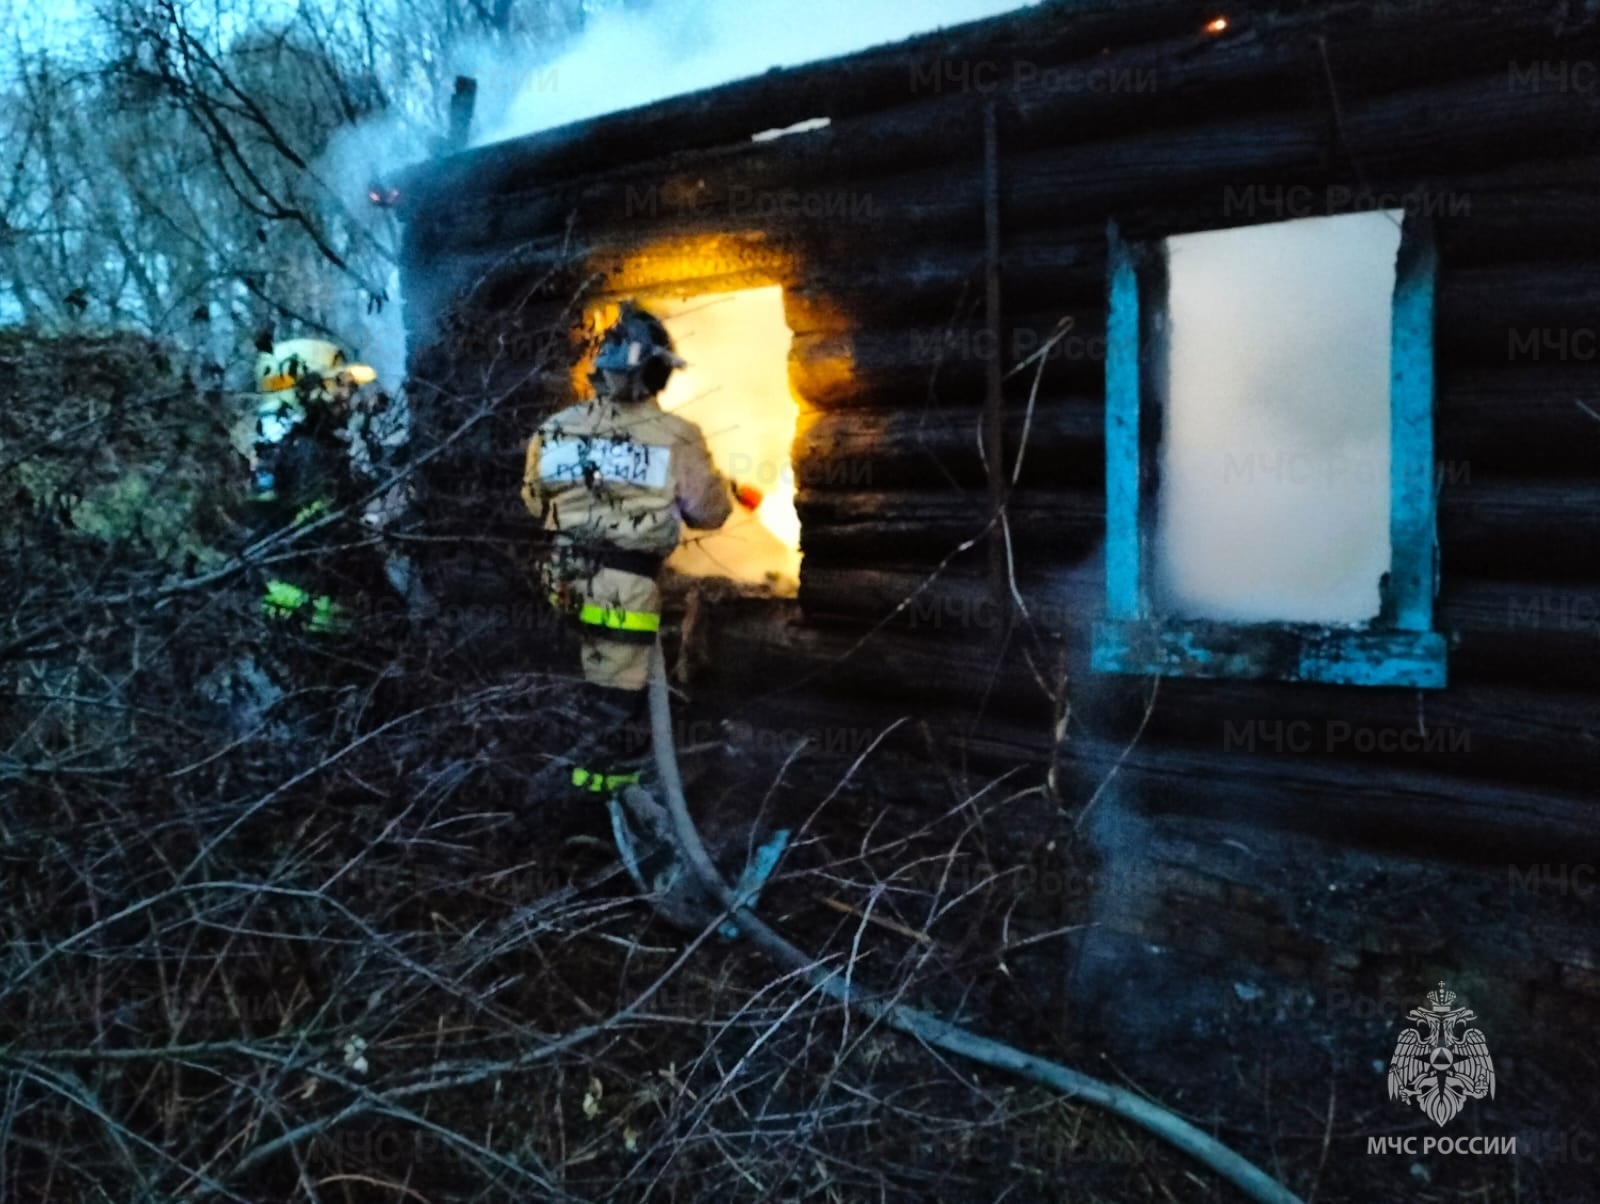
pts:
[616, 482]
[300, 459]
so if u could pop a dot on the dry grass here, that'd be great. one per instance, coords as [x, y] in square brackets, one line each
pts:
[273, 933]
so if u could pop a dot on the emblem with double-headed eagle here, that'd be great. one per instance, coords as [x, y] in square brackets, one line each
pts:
[1435, 1067]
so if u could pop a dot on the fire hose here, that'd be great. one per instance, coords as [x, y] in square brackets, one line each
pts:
[921, 1025]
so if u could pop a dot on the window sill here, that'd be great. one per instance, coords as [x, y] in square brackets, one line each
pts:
[1348, 656]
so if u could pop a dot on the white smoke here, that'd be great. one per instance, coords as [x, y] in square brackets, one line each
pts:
[624, 57]
[630, 57]
[1274, 501]
[359, 159]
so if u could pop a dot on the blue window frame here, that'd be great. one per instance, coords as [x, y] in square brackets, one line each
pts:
[1396, 648]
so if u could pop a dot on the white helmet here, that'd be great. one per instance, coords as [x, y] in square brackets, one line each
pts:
[307, 365]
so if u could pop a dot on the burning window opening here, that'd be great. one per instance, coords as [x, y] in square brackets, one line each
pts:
[736, 389]
[1275, 459]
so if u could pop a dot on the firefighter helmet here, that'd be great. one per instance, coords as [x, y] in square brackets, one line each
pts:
[307, 366]
[638, 346]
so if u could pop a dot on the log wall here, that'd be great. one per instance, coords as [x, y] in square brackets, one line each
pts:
[874, 226]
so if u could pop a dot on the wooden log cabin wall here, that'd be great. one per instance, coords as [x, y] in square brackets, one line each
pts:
[1145, 113]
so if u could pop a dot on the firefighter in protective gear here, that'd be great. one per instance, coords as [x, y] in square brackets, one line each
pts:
[615, 479]
[300, 459]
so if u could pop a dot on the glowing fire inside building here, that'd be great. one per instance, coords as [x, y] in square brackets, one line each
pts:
[736, 389]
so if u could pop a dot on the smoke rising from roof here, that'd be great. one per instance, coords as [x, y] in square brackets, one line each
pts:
[626, 56]
[630, 56]
[359, 158]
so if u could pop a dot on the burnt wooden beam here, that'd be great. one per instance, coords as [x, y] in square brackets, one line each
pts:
[868, 527]
[945, 365]
[820, 295]
[1530, 633]
[838, 88]
[1533, 314]
[1534, 632]
[1395, 810]
[1236, 171]
[852, 286]
[1512, 530]
[1519, 211]
[917, 227]
[1539, 417]
[1539, 314]
[1504, 315]
[1061, 444]
[953, 603]
[1225, 167]
[1538, 210]
[1412, 810]
[1523, 211]
[1471, 730]
[1167, 71]
[931, 670]
[1476, 730]
[1526, 422]
[926, 272]
[1521, 529]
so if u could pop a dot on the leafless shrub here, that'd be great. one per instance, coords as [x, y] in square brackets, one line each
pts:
[270, 933]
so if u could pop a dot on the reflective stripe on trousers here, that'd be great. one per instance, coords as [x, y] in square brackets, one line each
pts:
[640, 622]
[596, 782]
